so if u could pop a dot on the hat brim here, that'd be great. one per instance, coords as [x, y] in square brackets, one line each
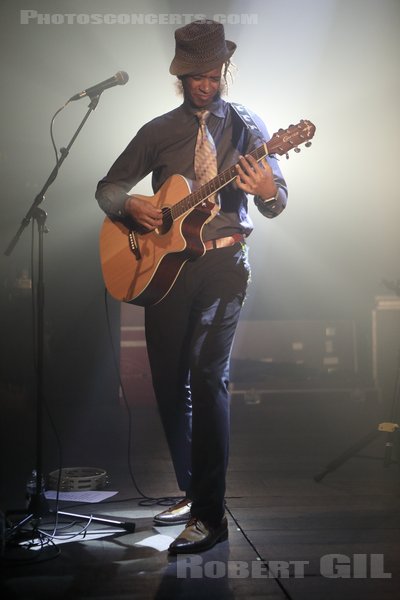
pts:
[180, 68]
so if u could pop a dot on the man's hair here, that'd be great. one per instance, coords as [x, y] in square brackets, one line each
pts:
[227, 74]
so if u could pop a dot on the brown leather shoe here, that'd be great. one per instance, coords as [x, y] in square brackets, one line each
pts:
[178, 514]
[198, 536]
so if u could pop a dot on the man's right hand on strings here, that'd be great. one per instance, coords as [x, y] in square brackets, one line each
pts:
[143, 212]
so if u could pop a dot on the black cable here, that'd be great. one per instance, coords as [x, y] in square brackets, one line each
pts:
[46, 406]
[147, 500]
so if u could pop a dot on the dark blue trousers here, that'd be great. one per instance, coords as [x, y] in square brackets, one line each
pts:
[189, 338]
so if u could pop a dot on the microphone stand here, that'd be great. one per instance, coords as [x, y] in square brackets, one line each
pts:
[38, 506]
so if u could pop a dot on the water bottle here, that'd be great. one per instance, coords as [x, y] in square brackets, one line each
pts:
[31, 486]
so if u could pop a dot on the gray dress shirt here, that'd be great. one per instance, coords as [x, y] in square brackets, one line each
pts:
[165, 146]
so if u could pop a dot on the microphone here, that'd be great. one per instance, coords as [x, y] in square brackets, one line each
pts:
[119, 78]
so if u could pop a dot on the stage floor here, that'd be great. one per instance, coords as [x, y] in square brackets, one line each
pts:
[289, 535]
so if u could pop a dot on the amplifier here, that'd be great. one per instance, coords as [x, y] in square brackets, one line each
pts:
[325, 345]
[323, 351]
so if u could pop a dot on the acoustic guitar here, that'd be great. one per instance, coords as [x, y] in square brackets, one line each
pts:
[139, 266]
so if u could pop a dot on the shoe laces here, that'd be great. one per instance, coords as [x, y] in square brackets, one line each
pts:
[199, 525]
[195, 521]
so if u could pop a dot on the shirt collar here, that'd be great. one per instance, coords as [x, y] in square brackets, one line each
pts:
[216, 108]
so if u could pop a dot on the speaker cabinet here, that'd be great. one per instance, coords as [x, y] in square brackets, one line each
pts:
[134, 362]
[386, 347]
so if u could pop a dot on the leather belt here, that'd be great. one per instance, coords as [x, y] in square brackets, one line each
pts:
[224, 242]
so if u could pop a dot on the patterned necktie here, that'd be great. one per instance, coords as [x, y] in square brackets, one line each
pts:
[205, 154]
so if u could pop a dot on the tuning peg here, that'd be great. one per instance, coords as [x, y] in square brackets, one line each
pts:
[297, 149]
[287, 155]
[308, 144]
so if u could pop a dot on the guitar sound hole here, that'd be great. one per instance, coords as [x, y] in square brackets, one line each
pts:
[167, 221]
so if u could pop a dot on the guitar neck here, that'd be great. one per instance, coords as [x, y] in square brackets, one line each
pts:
[281, 143]
[214, 185]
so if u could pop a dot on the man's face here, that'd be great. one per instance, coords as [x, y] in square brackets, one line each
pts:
[201, 89]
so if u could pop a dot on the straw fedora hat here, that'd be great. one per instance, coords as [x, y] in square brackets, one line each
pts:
[200, 46]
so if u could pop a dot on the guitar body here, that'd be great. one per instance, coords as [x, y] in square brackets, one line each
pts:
[145, 275]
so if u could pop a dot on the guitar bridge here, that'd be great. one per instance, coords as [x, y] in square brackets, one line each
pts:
[134, 245]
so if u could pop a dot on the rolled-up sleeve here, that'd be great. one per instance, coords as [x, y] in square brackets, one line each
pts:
[130, 167]
[274, 207]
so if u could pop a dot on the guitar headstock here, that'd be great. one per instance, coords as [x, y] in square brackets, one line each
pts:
[288, 139]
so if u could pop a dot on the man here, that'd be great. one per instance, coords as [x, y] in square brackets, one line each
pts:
[189, 333]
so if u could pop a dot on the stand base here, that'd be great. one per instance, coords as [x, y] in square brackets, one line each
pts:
[127, 525]
[38, 509]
